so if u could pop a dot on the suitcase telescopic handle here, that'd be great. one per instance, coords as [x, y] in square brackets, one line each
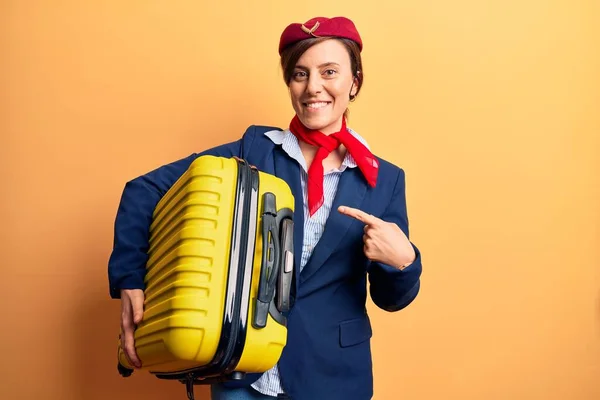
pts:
[270, 261]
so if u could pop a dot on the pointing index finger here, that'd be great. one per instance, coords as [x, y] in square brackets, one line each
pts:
[359, 215]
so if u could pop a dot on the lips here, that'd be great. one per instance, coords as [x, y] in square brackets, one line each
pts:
[316, 105]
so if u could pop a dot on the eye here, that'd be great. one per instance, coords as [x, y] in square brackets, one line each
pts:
[330, 72]
[299, 75]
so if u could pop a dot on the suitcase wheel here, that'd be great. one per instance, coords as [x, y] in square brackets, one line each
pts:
[125, 372]
[237, 375]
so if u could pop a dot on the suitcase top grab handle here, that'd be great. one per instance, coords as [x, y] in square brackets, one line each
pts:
[271, 254]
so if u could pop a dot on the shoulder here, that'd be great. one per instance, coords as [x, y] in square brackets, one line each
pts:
[389, 173]
[259, 132]
[257, 140]
[388, 167]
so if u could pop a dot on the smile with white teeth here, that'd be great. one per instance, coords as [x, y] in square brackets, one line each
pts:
[320, 104]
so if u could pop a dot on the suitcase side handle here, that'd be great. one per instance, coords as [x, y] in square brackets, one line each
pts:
[270, 261]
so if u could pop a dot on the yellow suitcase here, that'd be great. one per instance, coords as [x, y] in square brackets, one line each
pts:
[216, 290]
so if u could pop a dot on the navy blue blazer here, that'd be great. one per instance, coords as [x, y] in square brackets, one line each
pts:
[328, 353]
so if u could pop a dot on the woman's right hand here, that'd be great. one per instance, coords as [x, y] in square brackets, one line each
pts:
[132, 311]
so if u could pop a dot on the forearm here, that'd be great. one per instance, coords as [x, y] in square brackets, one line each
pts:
[127, 263]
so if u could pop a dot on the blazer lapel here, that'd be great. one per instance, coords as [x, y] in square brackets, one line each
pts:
[351, 191]
[288, 169]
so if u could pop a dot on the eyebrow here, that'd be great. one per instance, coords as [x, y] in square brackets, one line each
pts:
[327, 64]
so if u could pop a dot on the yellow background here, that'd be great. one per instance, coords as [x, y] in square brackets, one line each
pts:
[491, 107]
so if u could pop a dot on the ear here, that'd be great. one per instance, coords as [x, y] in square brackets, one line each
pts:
[354, 89]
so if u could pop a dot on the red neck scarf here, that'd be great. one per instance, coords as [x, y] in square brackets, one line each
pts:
[365, 160]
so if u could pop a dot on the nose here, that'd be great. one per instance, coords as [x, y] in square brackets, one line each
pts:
[314, 85]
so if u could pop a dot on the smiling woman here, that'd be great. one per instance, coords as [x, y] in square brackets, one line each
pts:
[327, 167]
[315, 83]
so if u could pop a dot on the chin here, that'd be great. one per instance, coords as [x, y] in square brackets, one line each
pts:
[315, 123]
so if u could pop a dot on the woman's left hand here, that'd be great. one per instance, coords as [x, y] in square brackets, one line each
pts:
[384, 242]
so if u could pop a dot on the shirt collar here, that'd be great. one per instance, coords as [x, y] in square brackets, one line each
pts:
[289, 142]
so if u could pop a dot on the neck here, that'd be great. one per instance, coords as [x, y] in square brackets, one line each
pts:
[333, 128]
[311, 140]
[327, 130]
[332, 161]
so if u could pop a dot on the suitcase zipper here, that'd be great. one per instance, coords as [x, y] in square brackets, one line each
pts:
[248, 214]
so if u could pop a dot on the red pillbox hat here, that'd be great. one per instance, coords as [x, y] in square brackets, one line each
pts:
[340, 27]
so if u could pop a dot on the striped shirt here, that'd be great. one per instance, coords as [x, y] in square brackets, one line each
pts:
[269, 383]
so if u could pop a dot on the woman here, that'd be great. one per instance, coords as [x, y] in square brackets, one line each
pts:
[350, 223]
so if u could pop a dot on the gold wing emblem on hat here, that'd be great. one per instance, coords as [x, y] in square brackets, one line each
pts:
[312, 30]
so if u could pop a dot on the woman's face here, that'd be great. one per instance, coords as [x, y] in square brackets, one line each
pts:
[321, 86]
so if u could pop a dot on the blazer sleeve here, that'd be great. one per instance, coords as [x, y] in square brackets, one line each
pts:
[392, 289]
[127, 262]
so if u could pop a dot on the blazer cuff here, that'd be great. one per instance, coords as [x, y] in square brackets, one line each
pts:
[393, 289]
[127, 282]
